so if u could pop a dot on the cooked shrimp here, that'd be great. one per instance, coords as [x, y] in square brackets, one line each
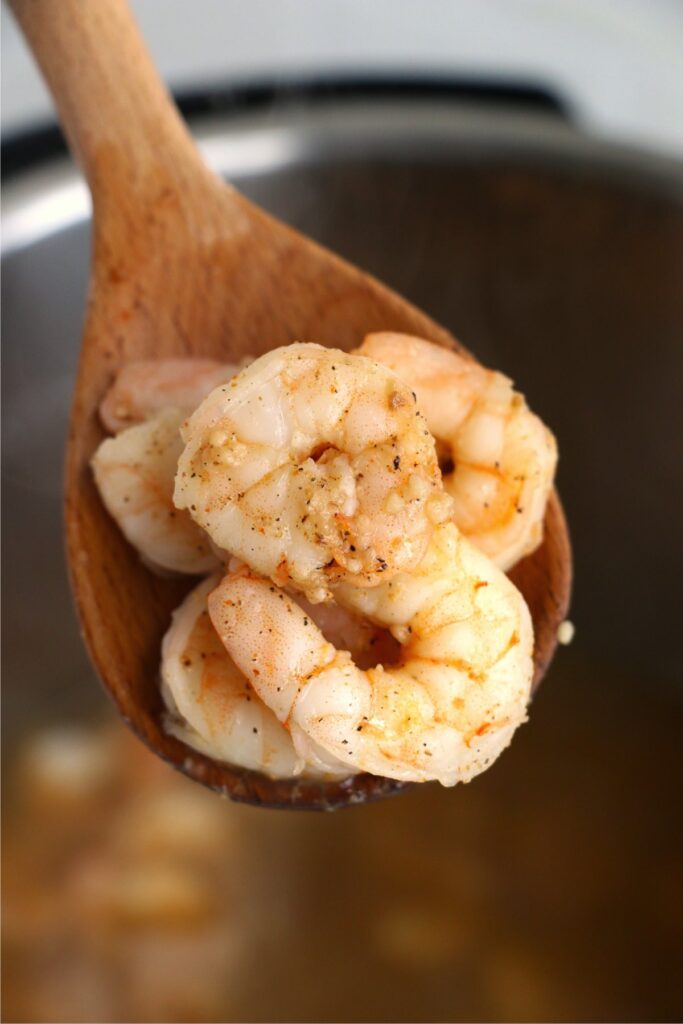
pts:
[313, 465]
[503, 457]
[214, 708]
[449, 705]
[134, 474]
[146, 387]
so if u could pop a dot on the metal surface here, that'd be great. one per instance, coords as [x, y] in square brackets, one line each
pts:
[559, 261]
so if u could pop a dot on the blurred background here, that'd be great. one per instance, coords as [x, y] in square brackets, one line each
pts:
[516, 168]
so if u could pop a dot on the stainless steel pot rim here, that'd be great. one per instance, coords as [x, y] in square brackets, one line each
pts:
[53, 197]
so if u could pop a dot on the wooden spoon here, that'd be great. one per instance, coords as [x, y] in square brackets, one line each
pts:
[184, 266]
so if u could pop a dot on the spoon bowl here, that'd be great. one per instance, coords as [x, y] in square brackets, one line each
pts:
[184, 266]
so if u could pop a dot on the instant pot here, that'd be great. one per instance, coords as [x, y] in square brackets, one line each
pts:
[549, 888]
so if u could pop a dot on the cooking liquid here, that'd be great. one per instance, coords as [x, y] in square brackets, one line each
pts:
[533, 893]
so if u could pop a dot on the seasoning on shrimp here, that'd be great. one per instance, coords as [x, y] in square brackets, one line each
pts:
[313, 466]
[145, 387]
[445, 709]
[134, 475]
[213, 707]
[501, 456]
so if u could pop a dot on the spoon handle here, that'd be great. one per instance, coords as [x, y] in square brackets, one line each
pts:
[122, 126]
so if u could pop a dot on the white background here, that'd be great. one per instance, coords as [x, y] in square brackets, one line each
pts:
[618, 63]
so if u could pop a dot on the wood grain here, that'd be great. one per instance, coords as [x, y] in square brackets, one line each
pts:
[184, 265]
